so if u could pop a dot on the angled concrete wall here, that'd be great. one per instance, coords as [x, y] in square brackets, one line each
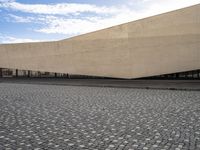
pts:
[162, 44]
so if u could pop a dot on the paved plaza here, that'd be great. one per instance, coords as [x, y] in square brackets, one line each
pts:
[97, 118]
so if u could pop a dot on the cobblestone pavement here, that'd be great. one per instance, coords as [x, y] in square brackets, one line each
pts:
[75, 118]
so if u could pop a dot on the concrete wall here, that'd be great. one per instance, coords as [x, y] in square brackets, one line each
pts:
[162, 44]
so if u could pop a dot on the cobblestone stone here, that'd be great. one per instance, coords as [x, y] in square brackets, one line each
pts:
[75, 118]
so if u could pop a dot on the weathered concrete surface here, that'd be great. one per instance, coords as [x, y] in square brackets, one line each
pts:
[37, 117]
[162, 44]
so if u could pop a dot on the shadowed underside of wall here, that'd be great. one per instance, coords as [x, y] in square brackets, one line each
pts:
[162, 44]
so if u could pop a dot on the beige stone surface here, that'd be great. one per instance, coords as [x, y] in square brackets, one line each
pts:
[161, 44]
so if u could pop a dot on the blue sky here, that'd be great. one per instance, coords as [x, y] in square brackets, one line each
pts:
[47, 20]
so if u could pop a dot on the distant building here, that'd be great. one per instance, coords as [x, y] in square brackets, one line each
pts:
[165, 46]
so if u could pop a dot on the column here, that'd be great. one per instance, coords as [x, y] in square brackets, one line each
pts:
[1, 72]
[16, 73]
[29, 73]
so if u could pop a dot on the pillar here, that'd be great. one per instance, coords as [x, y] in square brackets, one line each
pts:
[16, 73]
[29, 73]
[1, 72]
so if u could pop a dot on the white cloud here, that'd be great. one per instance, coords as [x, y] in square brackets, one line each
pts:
[58, 9]
[72, 19]
[160, 6]
[10, 39]
[15, 18]
[6, 1]
[76, 8]
[75, 26]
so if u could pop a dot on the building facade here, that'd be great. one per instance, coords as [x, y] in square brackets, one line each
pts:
[162, 45]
